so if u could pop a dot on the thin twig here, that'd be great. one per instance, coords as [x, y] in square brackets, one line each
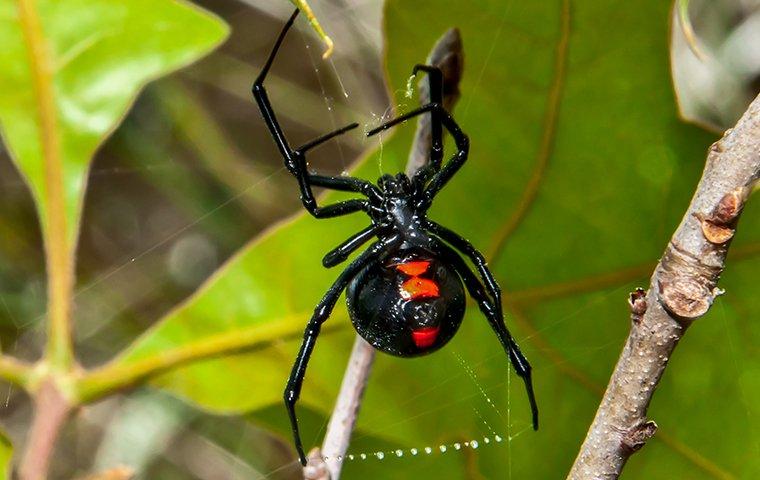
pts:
[326, 463]
[682, 289]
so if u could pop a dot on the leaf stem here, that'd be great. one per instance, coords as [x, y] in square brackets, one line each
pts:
[120, 373]
[59, 255]
[303, 5]
[15, 371]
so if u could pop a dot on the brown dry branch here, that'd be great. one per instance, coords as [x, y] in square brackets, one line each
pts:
[326, 464]
[682, 289]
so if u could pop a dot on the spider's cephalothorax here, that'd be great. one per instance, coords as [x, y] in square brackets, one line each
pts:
[405, 292]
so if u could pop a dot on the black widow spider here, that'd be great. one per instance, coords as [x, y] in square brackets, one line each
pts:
[404, 292]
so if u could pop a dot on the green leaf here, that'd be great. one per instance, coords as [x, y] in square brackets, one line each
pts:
[6, 452]
[579, 172]
[71, 69]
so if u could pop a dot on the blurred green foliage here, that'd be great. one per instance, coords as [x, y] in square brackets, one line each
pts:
[70, 71]
[6, 452]
[97, 55]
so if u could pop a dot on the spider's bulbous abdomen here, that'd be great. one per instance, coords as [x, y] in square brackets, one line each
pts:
[407, 304]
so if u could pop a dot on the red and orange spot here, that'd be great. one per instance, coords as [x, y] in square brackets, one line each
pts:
[416, 286]
[413, 269]
[425, 337]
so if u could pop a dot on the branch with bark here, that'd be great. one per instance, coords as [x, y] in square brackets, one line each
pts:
[682, 289]
[326, 463]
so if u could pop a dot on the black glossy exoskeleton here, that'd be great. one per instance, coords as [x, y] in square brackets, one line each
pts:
[405, 292]
[407, 303]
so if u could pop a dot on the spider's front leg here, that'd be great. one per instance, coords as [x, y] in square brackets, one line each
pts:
[295, 160]
[451, 167]
[496, 320]
[321, 313]
[340, 253]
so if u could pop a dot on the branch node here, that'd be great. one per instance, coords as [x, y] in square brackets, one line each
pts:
[638, 302]
[637, 436]
[730, 206]
[685, 298]
[717, 147]
[714, 233]
[685, 283]
[720, 225]
[316, 468]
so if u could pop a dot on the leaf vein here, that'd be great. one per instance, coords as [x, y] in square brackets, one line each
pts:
[546, 147]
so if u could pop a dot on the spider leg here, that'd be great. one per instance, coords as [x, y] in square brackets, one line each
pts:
[406, 116]
[342, 251]
[328, 136]
[461, 244]
[343, 183]
[262, 99]
[321, 312]
[496, 319]
[439, 180]
[346, 184]
[295, 160]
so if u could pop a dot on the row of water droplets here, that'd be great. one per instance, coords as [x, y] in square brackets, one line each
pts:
[492, 438]
[414, 452]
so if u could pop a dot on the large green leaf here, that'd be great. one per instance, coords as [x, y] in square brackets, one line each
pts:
[579, 172]
[71, 68]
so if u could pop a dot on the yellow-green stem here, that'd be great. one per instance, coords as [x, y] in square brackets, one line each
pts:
[306, 9]
[15, 371]
[58, 252]
[121, 374]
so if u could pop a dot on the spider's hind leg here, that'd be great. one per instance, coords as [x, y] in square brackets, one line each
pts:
[496, 320]
[462, 245]
[321, 313]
